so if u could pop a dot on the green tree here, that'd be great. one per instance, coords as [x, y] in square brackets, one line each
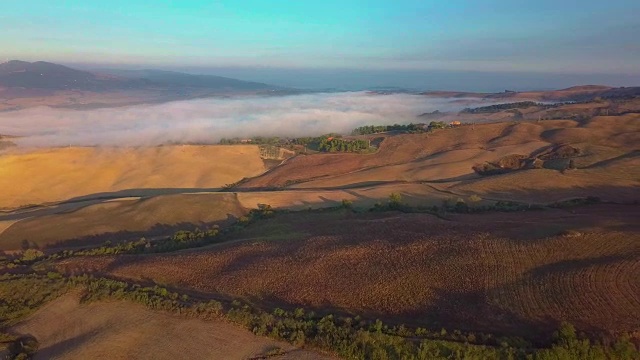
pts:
[395, 198]
[566, 334]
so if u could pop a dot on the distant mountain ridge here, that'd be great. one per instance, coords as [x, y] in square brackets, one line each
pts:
[178, 79]
[575, 93]
[44, 75]
[50, 76]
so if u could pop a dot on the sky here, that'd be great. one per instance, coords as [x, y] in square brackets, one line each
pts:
[591, 39]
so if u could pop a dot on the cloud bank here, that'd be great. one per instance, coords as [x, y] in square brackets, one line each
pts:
[209, 120]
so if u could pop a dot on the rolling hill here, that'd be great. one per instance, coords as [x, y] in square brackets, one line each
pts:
[62, 174]
[24, 84]
[174, 79]
[105, 193]
[49, 76]
[45, 75]
[574, 93]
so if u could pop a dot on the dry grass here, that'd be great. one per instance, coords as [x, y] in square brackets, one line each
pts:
[66, 329]
[123, 220]
[449, 155]
[395, 150]
[65, 173]
[364, 196]
[516, 273]
[4, 225]
[425, 168]
[608, 165]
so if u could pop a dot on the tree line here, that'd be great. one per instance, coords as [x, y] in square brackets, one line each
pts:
[376, 129]
[499, 107]
[342, 145]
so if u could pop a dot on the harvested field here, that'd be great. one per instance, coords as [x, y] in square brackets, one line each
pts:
[542, 186]
[425, 168]
[365, 196]
[508, 273]
[65, 329]
[449, 166]
[122, 220]
[61, 174]
[448, 156]
[394, 150]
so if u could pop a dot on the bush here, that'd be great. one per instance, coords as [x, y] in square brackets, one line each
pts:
[395, 199]
[31, 255]
[347, 204]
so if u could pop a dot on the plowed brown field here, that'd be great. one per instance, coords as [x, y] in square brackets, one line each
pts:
[516, 273]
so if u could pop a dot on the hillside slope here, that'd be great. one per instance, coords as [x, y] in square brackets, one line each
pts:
[45, 75]
[94, 223]
[70, 173]
[515, 273]
[49, 76]
[445, 159]
[66, 329]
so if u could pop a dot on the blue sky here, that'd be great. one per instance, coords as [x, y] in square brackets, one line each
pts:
[561, 36]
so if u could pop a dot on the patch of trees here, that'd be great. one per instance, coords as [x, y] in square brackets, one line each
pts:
[518, 162]
[256, 140]
[502, 166]
[270, 146]
[560, 152]
[452, 205]
[436, 125]
[376, 129]
[589, 200]
[342, 145]
[432, 115]
[500, 107]
[234, 184]
[20, 296]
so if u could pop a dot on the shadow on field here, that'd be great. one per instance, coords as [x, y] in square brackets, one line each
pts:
[629, 195]
[473, 312]
[59, 349]
[157, 230]
[141, 192]
[578, 264]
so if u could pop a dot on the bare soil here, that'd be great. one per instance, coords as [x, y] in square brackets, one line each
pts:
[510, 273]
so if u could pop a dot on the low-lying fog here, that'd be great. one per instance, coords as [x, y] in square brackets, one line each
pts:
[208, 120]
